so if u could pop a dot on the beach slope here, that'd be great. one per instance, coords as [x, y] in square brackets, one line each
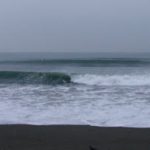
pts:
[69, 137]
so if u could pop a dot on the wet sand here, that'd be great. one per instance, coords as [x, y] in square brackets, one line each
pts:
[61, 137]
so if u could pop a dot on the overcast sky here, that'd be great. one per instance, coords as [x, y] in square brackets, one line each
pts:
[75, 25]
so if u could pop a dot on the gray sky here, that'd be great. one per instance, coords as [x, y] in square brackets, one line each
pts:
[75, 25]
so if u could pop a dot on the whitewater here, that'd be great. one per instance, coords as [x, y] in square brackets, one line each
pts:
[99, 92]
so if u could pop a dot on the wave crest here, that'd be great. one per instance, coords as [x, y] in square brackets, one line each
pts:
[34, 77]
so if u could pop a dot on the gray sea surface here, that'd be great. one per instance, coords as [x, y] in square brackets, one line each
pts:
[105, 90]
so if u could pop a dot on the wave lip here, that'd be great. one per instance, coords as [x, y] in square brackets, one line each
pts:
[34, 77]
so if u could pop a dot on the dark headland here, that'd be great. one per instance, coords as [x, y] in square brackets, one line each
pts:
[61, 137]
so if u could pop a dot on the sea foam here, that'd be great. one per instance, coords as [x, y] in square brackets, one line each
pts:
[92, 79]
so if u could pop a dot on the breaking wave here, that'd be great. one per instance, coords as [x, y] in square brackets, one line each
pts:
[131, 80]
[61, 78]
[34, 77]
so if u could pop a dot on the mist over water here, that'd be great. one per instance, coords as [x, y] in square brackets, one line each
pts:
[104, 90]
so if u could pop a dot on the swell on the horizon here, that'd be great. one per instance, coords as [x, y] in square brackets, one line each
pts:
[86, 62]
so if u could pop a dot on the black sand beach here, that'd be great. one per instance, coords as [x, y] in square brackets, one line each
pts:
[61, 137]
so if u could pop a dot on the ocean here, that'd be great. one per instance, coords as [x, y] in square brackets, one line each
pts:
[98, 89]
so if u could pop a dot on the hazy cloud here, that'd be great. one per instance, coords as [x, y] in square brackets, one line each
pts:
[74, 25]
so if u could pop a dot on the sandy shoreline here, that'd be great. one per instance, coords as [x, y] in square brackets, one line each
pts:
[68, 137]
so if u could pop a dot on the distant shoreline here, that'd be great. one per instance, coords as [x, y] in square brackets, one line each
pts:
[73, 137]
